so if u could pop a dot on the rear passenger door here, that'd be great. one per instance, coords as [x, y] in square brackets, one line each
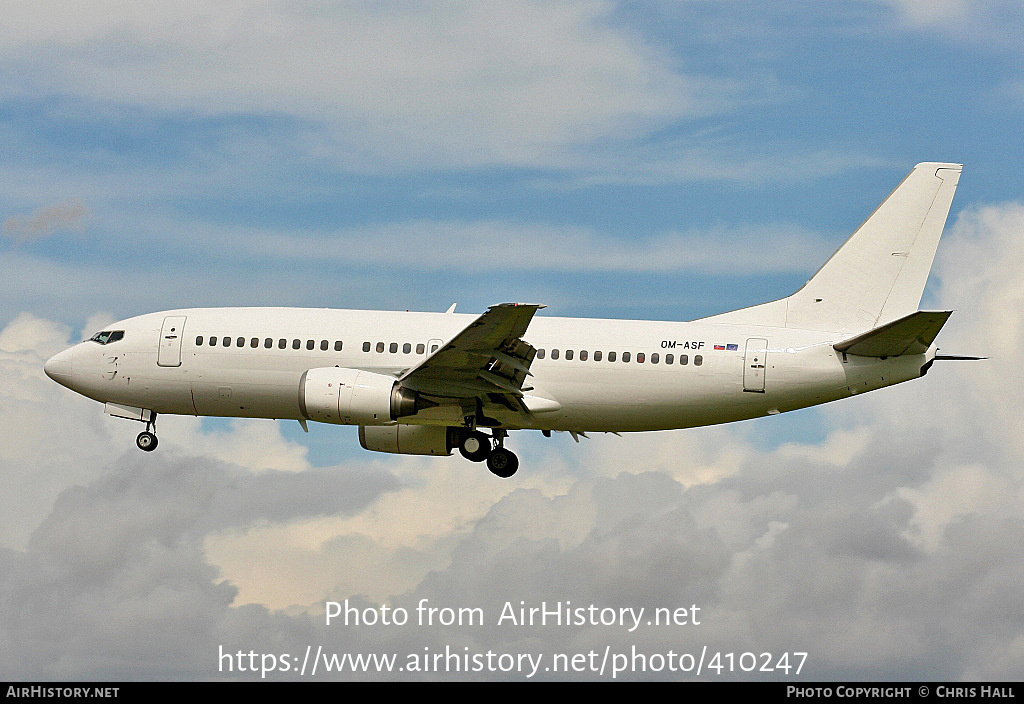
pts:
[754, 364]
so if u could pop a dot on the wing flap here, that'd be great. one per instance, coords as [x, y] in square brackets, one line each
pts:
[911, 334]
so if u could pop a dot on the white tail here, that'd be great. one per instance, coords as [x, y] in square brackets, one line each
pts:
[879, 273]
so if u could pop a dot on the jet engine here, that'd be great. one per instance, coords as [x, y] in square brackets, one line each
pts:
[355, 397]
[409, 439]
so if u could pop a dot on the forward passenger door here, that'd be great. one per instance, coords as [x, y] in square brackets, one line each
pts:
[171, 334]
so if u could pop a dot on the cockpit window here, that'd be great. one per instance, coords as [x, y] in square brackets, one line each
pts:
[107, 336]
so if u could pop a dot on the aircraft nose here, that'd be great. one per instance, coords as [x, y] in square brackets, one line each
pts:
[58, 367]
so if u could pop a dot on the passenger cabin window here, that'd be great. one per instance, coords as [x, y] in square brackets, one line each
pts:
[296, 344]
[227, 342]
[366, 347]
[654, 358]
[393, 347]
[380, 347]
[625, 356]
[310, 344]
[282, 343]
[199, 340]
[568, 354]
[324, 344]
[540, 354]
[684, 359]
[554, 354]
[669, 358]
[406, 348]
[583, 355]
[240, 342]
[254, 342]
[420, 348]
[268, 343]
[611, 356]
[698, 360]
[337, 345]
[640, 357]
[597, 356]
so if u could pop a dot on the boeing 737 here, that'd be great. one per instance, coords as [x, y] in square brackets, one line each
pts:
[427, 383]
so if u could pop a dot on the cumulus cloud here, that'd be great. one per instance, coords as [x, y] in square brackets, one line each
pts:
[888, 550]
[31, 408]
[382, 551]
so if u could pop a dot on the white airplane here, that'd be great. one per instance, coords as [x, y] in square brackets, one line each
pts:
[426, 383]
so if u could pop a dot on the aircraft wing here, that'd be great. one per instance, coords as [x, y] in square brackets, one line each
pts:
[488, 357]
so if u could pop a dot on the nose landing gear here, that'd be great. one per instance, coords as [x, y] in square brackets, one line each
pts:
[146, 441]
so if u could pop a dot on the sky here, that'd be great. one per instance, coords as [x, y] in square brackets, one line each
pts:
[656, 160]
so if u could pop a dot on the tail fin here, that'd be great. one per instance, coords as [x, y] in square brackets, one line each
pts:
[879, 274]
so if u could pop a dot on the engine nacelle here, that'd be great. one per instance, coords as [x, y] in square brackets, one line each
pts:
[355, 397]
[408, 439]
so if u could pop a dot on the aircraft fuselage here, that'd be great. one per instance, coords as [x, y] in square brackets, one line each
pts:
[623, 375]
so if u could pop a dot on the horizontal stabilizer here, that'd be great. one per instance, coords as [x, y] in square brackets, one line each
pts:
[912, 334]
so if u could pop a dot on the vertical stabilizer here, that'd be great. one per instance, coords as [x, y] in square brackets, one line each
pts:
[879, 273]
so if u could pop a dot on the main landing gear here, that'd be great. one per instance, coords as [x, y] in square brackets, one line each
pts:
[146, 441]
[475, 446]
